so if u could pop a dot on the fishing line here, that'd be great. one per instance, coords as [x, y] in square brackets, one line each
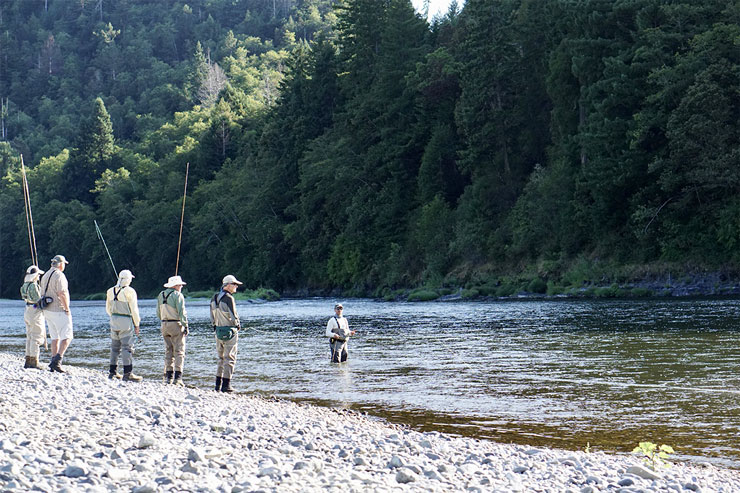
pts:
[100, 235]
[182, 216]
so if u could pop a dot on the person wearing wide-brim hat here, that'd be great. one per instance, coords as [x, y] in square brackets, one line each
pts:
[33, 316]
[54, 286]
[226, 325]
[121, 304]
[171, 311]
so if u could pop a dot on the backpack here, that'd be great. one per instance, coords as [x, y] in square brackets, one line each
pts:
[30, 292]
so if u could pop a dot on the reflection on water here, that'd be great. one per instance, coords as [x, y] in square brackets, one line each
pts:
[557, 373]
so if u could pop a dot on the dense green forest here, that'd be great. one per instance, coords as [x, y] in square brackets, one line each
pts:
[352, 145]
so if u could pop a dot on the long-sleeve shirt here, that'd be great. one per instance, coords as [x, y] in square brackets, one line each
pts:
[173, 309]
[123, 301]
[223, 310]
[337, 326]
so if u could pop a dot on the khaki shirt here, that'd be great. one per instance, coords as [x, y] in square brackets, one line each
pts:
[57, 289]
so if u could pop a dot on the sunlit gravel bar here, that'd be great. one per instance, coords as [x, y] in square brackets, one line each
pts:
[80, 431]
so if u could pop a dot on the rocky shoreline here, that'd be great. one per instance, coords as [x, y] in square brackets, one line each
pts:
[80, 431]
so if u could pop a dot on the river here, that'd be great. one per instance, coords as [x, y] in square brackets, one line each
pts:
[572, 374]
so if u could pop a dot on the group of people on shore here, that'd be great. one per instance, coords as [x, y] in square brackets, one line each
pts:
[47, 299]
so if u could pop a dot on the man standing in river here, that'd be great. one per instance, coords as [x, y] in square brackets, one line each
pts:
[337, 330]
[55, 286]
[171, 311]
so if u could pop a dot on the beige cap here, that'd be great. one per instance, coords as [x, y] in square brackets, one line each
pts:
[230, 280]
[338, 305]
[174, 281]
[32, 273]
[125, 274]
[59, 259]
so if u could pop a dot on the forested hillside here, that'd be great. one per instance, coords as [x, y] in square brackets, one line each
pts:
[351, 145]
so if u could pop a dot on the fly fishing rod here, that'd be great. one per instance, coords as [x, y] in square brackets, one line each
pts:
[115, 272]
[100, 235]
[182, 216]
[29, 216]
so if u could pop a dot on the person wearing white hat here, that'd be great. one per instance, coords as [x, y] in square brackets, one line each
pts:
[226, 324]
[33, 316]
[121, 304]
[337, 330]
[171, 311]
[55, 287]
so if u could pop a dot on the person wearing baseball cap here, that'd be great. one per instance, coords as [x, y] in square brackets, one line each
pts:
[55, 287]
[33, 316]
[226, 324]
[122, 306]
[337, 330]
[171, 311]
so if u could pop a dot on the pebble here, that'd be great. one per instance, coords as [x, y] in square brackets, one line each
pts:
[154, 437]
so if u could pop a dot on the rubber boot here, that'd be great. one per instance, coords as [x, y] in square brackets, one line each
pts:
[32, 362]
[218, 384]
[168, 376]
[128, 375]
[226, 385]
[56, 364]
[178, 379]
[113, 372]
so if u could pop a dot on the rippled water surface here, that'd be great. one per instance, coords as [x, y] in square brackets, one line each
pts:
[556, 373]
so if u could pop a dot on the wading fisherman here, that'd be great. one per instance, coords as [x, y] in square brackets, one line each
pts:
[171, 311]
[54, 286]
[122, 305]
[225, 320]
[337, 330]
[33, 316]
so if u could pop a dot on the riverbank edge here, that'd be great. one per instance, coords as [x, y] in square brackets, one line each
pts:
[151, 437]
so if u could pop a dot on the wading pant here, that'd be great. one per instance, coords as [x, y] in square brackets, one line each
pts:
[174, 346]
[35, 330]
[121, 340]
[338, 351]
[226, 356]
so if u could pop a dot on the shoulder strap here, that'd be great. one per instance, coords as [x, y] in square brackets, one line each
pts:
[116, 293]
[48, 279]
[165, 297]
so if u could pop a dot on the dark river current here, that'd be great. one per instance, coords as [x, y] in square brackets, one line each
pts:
[565, 374]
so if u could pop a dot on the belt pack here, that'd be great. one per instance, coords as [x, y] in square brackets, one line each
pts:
[225, 333]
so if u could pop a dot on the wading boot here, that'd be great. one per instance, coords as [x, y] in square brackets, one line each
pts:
[56, 364]
[128, 374]
[226, 385]
[218, 384]
[168, 376]
[113, 372]
[178, 379]
[31, 362]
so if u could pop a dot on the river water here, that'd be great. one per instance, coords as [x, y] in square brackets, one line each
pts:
[564, 373]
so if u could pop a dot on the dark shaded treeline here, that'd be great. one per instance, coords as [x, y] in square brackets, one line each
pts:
[361, 148]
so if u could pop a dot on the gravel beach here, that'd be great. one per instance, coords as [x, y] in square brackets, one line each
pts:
[80, 431]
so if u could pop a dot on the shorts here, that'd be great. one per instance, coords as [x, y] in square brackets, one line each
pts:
[60, 325]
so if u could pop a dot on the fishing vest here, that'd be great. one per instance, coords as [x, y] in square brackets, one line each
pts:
[30, 292]
[221, 314]
[167, 312]
[120, 307]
